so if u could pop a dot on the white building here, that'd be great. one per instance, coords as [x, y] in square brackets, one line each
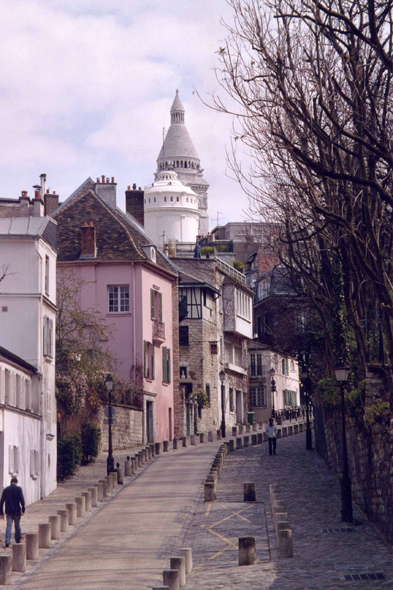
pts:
[27, 364]
[177, 155]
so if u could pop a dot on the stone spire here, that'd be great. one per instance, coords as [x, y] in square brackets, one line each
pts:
[177, 111]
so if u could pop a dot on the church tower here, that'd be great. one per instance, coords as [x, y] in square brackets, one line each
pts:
[178, 153]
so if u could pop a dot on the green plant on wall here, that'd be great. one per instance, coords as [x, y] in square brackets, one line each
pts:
[202, 398]
[238, 264]
[207, 251]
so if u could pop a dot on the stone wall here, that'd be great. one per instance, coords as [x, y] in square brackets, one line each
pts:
[370, 456]
[126, 433]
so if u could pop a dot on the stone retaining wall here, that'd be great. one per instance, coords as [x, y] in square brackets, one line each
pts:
[370, 456]
[126, 433]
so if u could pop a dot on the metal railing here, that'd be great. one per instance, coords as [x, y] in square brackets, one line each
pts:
[229, 270]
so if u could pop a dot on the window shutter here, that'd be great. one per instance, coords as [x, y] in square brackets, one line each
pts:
[153, 372]
[152, 303]
[160, 304]
[45, 336]
[48, 412]
[32, 463]
[2, 386]
[168, 352]
[145, 360]
[22, 393]
[12, 389]
[36, 462]
[164, 365]
[50, 338]
[16, 459]
[11, 460]
[28, 394]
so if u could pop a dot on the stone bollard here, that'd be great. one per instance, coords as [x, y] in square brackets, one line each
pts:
[211, 477]
[80, 506]
[111, 483]
[93, 500]
[218, 434]
[138, 459]
[87, 497]
[152, 450]
[19, 557]
[104, 487]
[165, 445]
[186, 552]
[231, 445]
[259, 438]
[134, 465]
[63, 514]
[234, 431]
[284, 431]
[249, 492]
[285, 547]
[301, 427]
[44, 534]
[265, 437]
[290, 430]
[113, 474]
[100, 491]
[157, 448]
[278, 432]
[278, 506]
[179, 563]
[5, 570]
[193, 443]
[143, 455]
[210, 436]
[254, 427]
[280, 516]
[210, 491]
[248, 427]
[240, 429]
[148, 453]
[160, 588]
[175, 444]
[282, 525]
[239, 443]
[71, 507]
[32, 546]
[127, 468]
[296, 429]
[202, 437]
[108, 481]
[184, 441]
[54, 522]
[171, 579]
[246, 440]
[253, 439]
[247, 555]
[120, 476]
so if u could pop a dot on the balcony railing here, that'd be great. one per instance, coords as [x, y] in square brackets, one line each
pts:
[229, 270]
[158, 331]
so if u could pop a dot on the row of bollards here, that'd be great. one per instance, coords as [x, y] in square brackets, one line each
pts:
[180, 566]
[60, 522]
[281, 523]
[215, 472]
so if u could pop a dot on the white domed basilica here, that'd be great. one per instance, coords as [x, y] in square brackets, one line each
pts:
[175, 205]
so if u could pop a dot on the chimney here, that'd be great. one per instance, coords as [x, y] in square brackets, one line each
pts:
[135, 204]
[88, 241]
[51, 202]
[38, 204]
[106, 190]
[24, 204]
[43, 183]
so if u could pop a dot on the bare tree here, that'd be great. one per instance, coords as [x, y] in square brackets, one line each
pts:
[311, 82]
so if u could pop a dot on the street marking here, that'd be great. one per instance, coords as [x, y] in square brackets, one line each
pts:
[209, 507]
[236, 513]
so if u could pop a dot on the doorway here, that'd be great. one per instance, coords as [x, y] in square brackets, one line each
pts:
[187, 392]
[170, 423]
[239, 407]
[149, 422]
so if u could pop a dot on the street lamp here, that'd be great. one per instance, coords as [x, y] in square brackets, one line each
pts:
[110, 462]
[273, 389]
[222, 378]
[341, 371]
[306, 391]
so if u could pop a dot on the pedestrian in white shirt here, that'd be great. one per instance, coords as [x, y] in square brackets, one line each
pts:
[271, 431]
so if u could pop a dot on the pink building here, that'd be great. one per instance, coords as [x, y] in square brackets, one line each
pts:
[133, 287]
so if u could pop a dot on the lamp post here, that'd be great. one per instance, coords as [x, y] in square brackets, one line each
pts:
[222, 378]
[341, 371]
[273, 390]
[306, 391]
[110, 462]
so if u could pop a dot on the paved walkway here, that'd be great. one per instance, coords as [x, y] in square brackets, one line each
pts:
[323, 559]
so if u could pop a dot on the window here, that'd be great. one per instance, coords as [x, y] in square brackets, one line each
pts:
[257, 397]
[34, 464]
[14, 459]
[119, 298]
[285, 366]
[166, 365]
[155, 305]
[292, 367]
[10, 388]
[183, 372]
[28, 394]
[48, 337]
[243, 305]
[194, 302]
[255, 364]
[231, 400]
[20, 392]
[208, 392]
[148, 360]
[48, 412]
[46, 275]
[183, 336]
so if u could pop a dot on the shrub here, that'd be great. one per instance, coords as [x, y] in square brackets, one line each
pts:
[238, 264]
[207, 250]
[91, 435]
[378, 412]
[69, 455]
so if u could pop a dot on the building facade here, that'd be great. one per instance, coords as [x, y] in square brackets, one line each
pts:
[27, 360]
[129, 283]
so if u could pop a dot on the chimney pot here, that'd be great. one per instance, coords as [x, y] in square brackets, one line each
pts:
[37, 194]
[139, 188]
[90, 223]
[128, 188]
[107, 180]
[103, 178]
[54, 192]
[98, 180]
[113, 179]
[24, 193]
[134, 186]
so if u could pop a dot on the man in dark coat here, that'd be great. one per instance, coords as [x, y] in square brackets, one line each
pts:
[14, 509]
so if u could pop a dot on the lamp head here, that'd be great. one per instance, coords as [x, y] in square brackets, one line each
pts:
[109, 382]
[272, 372]
[341, 370]
[222, 376]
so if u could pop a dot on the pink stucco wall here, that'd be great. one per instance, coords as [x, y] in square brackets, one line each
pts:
[129, 330]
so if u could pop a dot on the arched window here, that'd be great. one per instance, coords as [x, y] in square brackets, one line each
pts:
[181, 164]
[177, 164]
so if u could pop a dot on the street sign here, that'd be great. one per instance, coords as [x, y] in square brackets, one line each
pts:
[110, 412]
[110, 421]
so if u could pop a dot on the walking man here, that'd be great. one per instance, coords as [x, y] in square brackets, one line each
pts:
[14, 509]
[271, 431]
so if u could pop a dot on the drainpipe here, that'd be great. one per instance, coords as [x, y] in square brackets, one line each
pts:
[42, 440]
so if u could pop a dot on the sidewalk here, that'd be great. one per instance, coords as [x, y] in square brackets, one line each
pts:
[323, 558]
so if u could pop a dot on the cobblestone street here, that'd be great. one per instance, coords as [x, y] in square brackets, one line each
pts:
[324, 559]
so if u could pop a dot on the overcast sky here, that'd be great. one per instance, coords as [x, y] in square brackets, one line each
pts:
[87, 85]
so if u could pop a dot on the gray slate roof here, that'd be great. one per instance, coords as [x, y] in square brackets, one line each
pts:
[24, 226]
[178, 144]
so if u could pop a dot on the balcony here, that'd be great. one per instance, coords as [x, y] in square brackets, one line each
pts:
[158, 331]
